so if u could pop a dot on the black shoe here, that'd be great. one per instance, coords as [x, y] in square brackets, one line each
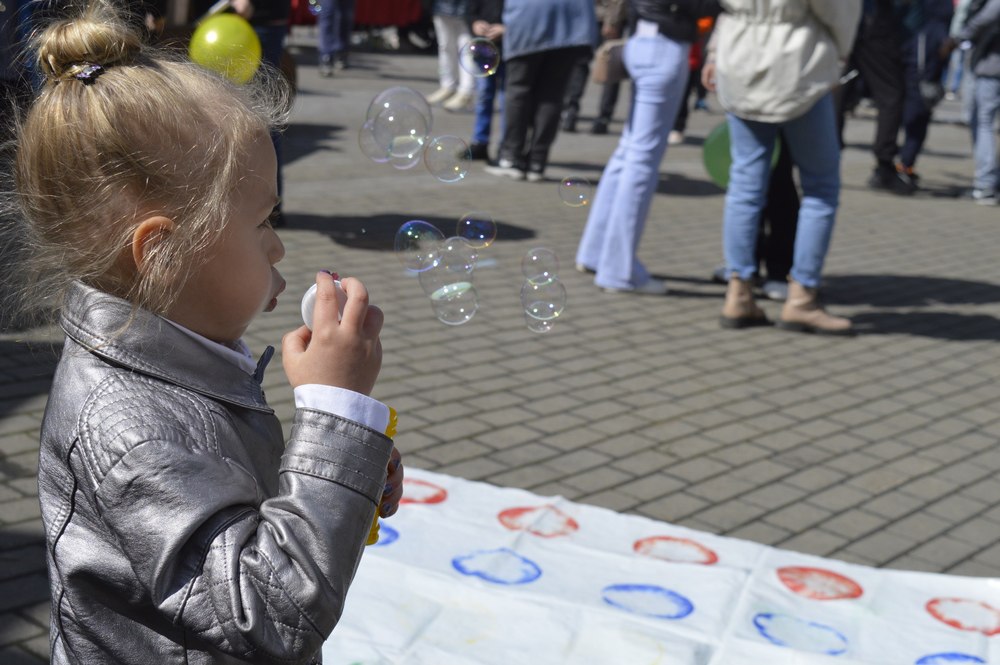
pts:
[569, 122]
[600, 127]
[888, 179]
[479, 151]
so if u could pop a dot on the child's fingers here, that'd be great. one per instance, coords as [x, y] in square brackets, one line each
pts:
[296, 341]
[326, 299]
[356, 308]
[373, 321]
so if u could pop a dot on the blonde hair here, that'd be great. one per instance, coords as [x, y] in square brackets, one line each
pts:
[149, 134]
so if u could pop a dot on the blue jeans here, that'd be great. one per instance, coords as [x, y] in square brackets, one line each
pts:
[659, 70]
[815, 149]
[984, 141]
[488, 89]
[334, 23]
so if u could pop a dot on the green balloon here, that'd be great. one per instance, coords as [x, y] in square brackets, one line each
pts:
[715, 154]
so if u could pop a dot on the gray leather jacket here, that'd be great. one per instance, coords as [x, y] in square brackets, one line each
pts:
[180, 526]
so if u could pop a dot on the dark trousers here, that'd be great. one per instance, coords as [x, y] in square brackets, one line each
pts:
[578, 83]
[536, 83]
[776, 244]
[877, 57]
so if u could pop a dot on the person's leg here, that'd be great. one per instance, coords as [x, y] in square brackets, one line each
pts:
[520, 76]
[486, 89]
[781, 218]
[328, 29]
[575, 85]
[466, 79]
[680, 123]
[879, 60]
[916, 117]
[751, 145]
[814, 149]
[659, 75]
[447, 41]
[987, 178]
[272, 43]
[345, 29]
[548, 92]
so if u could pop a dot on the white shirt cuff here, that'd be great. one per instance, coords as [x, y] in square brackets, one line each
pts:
[344, 403]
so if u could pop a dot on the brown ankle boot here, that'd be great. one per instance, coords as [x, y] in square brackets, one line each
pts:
[740, 310]
[803, 313]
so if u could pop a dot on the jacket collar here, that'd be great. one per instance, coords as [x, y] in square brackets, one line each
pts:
[137, 339]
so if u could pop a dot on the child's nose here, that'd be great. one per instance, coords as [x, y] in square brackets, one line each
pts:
[277, 249]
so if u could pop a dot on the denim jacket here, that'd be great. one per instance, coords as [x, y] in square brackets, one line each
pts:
[180, 527]
[545, 25]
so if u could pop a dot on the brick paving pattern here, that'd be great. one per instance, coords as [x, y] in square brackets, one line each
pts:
[880, 450]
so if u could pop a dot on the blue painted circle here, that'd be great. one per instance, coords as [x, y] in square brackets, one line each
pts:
[647, 600]
[801, 634]
[386, 535]
[499, 566]
[948, 659]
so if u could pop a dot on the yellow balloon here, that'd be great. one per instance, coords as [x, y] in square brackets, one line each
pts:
[227, 44]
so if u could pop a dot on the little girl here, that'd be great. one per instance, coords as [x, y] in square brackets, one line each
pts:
[180, 525]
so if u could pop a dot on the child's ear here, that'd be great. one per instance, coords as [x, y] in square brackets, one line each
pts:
[147, 235]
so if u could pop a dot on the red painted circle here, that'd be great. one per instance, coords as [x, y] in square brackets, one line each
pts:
[971, 615]
[542, 521]
[677, 550]
[421, 491]
[818, 583]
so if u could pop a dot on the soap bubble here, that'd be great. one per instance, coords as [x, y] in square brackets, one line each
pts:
[447, 158]
[315, 7]
[540, 264]
[477, 228]
[369, 146]
[575, 191]
[480, 57]
[543, 303]
[454, 303]
[401, 130]
[454, 260]
[417, 245]
[396, 96]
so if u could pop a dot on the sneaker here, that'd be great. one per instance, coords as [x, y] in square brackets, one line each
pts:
[584, 269]
[535, 176]
[479, 151]
[909, 176]
[984, 197]
[506, 169]
[326, 67]
[600, 127]
[341, 63]
[701, 105]
[675, 137]
[652, 287]
[719, 275]
[774, 289]
[888, 179]
[440, 95]
[460, 101]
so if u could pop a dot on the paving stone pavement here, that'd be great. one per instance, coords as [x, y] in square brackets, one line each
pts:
[881, 449]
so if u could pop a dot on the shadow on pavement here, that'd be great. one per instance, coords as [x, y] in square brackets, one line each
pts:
[379, 231]
[907, 291]
[939, 325]
[300, 140]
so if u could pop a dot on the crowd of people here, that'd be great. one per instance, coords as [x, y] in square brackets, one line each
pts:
[150, 182]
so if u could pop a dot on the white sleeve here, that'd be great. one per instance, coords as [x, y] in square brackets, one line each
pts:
[344, 403]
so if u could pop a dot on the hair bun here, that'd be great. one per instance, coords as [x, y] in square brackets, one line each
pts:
[99, 36]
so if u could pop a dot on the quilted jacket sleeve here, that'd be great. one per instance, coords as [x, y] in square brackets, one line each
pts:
[256, 577]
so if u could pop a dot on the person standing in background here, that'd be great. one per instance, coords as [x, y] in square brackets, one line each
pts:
[656, 56]
[458, 86]
[581, 70]
[543, 39]
[335, 23]
[484, 22]
[761, 44]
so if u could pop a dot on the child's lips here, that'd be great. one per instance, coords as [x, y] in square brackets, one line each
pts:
[274, 300]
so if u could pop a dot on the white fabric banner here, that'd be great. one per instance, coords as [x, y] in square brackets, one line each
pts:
[468, 573]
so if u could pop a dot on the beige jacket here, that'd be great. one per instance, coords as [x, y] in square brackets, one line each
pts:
[776, 58]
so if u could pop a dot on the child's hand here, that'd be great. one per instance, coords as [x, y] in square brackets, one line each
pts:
[393, 486]
[346, 354]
